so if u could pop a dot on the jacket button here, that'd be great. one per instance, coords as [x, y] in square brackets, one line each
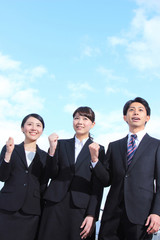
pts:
[26, 171]
[127, 175]
[25, 184]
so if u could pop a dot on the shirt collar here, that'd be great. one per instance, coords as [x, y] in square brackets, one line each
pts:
[78, 142]
[139, 134]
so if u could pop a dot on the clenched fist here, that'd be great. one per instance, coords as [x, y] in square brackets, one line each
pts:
[9, 149]
[94, 151]
[53, 140]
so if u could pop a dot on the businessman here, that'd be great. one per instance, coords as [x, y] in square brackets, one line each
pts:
[132, 170]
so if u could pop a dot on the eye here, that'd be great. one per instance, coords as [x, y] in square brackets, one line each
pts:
[75, 118]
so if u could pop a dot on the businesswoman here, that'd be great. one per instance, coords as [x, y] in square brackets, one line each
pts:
[22, 171]
[73, 196]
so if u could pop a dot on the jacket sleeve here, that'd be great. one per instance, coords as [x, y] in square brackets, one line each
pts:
[96, 192]
[101, 170]
[156, 200]
[5, 168]
[52, 166]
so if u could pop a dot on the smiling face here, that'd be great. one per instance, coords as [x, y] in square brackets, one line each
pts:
[82, 126]
[32, 129]
[136, 117]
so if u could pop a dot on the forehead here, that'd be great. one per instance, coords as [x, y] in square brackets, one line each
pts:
[136, 105]
[78, 114]
[34, 120]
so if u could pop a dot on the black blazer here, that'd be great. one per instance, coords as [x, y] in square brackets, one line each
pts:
[133, 185]
[66, 175]
[22, 185]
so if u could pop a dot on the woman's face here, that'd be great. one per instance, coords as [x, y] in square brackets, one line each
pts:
[82, 125]
[32, 129]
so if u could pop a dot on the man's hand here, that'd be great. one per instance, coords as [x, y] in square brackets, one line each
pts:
[153, 223]
[88, 226]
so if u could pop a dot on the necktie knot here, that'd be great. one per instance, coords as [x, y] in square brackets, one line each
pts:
[134, 136]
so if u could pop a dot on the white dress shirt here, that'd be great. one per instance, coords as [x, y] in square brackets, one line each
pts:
[78, 146]
[29, 157]
[139, 137]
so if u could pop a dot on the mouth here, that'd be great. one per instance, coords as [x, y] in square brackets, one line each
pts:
[79, 127]
[135, 119]
[33, 133]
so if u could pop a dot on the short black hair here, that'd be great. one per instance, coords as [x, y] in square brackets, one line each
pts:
[140, 100]
[85, 111]
[35, 115]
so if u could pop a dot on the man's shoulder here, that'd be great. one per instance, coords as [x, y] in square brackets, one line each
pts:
[118, 141]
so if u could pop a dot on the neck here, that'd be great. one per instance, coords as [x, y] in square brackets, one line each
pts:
[135, 130]
[30, 146]
[81, 137]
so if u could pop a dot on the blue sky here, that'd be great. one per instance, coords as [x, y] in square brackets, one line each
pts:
[58, 55]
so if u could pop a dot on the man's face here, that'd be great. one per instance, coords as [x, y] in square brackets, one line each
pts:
[136, 117]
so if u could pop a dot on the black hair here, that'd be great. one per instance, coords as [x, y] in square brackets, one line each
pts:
[85, 111]
[35, 116]
[140, 100]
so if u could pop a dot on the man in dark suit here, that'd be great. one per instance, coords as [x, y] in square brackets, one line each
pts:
[132, 170]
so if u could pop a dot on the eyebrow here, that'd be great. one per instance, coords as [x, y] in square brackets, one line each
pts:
[138, 107]
[33, 122]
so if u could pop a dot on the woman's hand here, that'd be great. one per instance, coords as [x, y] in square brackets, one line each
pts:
[94, 151]
[88, 226]
[53, 140]
[9, 149]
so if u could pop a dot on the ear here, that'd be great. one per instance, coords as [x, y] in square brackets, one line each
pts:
[125, 118]
[93, 124]
[147, 118]
[22, 129]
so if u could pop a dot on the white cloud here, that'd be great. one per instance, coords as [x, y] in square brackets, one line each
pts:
[38, 71]
[110, 75]
[149, 4]
[89, 51]
[78, 90]
[141, 42]
[16, 98]
[70, 108]
[117, 41]
[6, 63]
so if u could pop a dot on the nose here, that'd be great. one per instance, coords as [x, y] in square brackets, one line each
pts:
[33, 127]
[136, 112]
[80, 120]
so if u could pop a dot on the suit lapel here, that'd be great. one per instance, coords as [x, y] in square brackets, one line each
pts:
[70, 149]
[141, 148]
[123, 149]
[83, 153]
[20, 151]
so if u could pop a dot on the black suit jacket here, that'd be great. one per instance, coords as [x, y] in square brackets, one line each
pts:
[66, 175]
[133, 185]
[22, 185]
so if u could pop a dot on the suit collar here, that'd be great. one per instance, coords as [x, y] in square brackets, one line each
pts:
[141, 148]
[70, 149]
[21, 152]
[123, 149]
[83, 153]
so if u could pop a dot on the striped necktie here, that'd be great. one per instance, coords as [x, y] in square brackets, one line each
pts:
[131, 148]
